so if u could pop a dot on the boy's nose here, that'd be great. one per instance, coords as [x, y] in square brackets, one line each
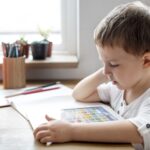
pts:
[107, 70]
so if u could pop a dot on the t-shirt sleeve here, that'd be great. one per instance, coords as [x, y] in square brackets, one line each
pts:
[142, 122]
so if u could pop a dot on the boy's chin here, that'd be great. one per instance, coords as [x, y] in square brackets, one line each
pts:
[120, 88]
[117, 85]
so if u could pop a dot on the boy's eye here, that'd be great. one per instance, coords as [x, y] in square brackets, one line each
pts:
[113, 65]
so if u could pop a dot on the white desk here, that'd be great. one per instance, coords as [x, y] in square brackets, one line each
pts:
[16, 134]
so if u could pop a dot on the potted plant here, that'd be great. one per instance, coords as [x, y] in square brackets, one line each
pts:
[39, 50]
[45, 34]
[24, 46]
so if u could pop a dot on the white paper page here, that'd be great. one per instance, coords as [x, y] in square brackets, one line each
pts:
[37, 109]
[4, 102]
[40, 103]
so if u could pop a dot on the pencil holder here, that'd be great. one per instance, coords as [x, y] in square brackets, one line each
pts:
[14, 73]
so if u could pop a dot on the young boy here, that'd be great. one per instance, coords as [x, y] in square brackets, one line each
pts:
[123, 42]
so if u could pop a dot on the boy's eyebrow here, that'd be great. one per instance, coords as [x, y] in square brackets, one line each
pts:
[113, 60]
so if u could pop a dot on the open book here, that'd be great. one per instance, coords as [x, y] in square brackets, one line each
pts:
[58, 104]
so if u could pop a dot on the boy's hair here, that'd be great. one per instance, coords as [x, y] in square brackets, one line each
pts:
[127, 26]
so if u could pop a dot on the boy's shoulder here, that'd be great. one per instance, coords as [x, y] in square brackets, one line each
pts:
[146, 96]
[144, 99]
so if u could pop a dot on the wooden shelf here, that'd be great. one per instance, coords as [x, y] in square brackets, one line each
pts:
[55, 61]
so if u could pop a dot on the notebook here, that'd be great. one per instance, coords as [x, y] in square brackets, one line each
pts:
[4, 103]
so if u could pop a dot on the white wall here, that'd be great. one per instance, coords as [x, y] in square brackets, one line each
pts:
[90, 13]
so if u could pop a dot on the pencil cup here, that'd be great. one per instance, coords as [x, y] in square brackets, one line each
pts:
[14, 73]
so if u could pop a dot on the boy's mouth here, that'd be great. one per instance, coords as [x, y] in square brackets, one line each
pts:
[114, 82]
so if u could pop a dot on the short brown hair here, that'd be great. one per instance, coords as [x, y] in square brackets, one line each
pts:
[127, 26]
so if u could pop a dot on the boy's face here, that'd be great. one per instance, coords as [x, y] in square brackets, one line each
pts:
[123, 69]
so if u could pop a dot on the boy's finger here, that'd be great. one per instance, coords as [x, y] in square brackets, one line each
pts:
[46, 139]
[44, 127]
[42, 134]
[48, 118]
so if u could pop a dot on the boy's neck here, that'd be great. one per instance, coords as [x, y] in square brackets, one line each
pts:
[132, 94]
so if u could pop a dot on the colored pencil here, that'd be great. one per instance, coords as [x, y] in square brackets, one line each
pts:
[32, 92]
[43, 86]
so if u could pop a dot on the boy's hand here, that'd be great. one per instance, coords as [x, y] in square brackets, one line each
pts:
[53, 131]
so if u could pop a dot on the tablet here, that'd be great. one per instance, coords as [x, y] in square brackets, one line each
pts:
[90, 114]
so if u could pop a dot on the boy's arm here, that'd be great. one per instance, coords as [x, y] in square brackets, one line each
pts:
[115, 131]
[110, 132]
[86, 89]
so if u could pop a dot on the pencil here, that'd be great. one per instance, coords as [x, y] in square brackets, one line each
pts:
[32, 92]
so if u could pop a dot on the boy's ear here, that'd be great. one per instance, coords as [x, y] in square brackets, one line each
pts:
[146, 59]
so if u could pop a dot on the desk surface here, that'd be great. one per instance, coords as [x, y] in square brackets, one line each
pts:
[16, 134]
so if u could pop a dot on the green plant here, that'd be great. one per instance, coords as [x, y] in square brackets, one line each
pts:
[22, 41]
[44, 33]
[23, 46]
